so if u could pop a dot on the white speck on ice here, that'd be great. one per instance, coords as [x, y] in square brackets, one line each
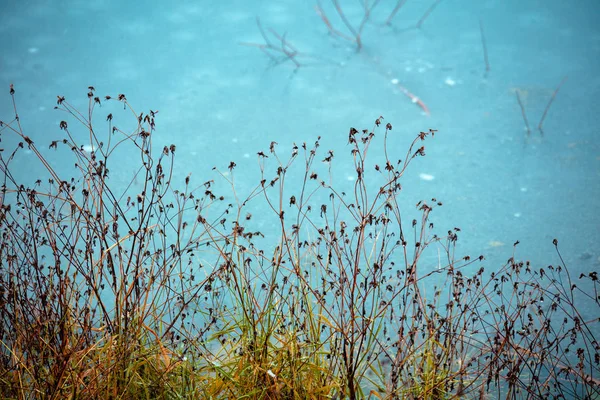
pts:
[350, 178]
[426, 177]
[395, 81]
[234, 140]
[422, 69]
[450, 82]
[88, 148]
[246, 155]
[517, 214]
[523, 189]
[33, 50]
[408, 69]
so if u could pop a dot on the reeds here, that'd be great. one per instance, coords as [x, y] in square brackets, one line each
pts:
[145, 291]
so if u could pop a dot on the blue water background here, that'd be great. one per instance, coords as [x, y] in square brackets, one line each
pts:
[220, 100]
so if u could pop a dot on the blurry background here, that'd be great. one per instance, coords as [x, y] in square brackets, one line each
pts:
[220, 100]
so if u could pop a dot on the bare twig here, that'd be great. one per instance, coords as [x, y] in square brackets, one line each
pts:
[355, 33]
[427, 13]
[415, 99]
[549, 104]
[484, 46]
[399, 5]
[284, 47]
[356, 36]
[523, 112]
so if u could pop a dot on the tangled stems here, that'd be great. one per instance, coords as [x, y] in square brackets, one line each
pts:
[140, 290]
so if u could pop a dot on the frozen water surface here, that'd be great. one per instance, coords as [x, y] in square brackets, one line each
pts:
[221, 98]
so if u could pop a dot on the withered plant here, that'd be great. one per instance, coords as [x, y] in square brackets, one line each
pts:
[117, 287]
[96, 278]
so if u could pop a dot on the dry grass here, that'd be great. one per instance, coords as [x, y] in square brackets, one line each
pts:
[145, 291]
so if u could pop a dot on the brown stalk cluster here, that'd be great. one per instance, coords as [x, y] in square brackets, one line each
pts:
[145, 291]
